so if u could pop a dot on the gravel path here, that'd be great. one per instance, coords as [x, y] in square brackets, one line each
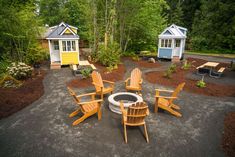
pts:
[44, 128]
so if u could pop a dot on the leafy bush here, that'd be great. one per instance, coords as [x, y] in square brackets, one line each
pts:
[172, 68]
[168, 74]
[186, 65]
[128, 54]
[86, 72]
[36, 54]
[109, 56]
[201, 83]
[3, 67]
[136, 58]
[19, 70]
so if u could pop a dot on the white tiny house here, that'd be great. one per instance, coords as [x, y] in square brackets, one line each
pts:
[172, 42]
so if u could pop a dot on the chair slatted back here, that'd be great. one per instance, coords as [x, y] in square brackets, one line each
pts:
[135, 77]
[73, 94]
[177, 90]
[97, 79]
[136, 113]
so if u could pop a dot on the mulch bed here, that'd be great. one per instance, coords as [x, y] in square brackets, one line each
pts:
[143, 63]
[115, 75]
[14, 99]
[228, 142]
[211, 89]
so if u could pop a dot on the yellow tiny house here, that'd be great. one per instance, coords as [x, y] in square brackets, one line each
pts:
[63, 43]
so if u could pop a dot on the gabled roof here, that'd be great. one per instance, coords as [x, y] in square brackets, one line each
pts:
[174, 31]
[57, 32]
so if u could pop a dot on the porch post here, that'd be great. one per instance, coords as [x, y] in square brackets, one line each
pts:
[60, 51]
[49, 44]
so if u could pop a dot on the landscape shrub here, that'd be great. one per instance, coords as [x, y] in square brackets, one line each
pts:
[86, 72]
[3, 67]
[168, 74]
[8, 81]
[201, 83]
[36, 54]
[186, 65]
[136, 58]
[128, 54]
[172, 68]
[109, 56]
[19, 70]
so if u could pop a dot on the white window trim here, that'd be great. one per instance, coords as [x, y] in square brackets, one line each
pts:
[66, 47]
[164, 40]
[67, 28]
[58, 47]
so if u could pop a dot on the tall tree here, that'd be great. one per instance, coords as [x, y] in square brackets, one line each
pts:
[213, 26]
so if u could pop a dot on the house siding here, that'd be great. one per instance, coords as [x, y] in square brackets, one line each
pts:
[69, 58]
[165, 53]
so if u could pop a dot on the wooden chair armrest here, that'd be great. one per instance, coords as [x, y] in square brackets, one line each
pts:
[123, 109]
[88, 94]
[96, 84]
[127, 79]
[108, 81]
[166, 97]
[89, 102]
[147, 112]
[141, 81]
[164, 90]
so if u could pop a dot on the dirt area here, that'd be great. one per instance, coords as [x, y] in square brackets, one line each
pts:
[115, 75]
[211, 89]
[14, 99]
[228, 143]
[143, 63]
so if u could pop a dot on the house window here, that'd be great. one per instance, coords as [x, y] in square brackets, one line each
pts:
[166, 43]
[177, 43]
[56, 45]
[69, 45]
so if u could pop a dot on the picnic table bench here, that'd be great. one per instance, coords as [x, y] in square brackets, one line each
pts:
[207, 68]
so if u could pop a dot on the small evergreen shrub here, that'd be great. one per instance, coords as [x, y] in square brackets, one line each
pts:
[36, 54]
[19, 70]
[109, 56]
[168, 74]
[201, 83]
[172, 68]
[136, 58]
[186, 65]
[86, 72]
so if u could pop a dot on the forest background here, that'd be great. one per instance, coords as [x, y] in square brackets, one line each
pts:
[125, 26]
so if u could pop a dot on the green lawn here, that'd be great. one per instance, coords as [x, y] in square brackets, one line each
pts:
[211, 54]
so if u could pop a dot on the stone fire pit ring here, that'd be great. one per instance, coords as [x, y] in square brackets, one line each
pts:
[126, 97]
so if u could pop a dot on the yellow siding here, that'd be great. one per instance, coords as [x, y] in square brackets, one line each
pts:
[68, 32]
[75, 31]
[69, 58]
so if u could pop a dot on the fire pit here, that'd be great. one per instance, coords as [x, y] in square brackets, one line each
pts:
[127, 99]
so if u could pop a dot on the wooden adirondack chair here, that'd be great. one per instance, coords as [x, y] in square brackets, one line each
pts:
[88, 108]
[99, 84]
[134, 116]
[166, 102]
[135, 81]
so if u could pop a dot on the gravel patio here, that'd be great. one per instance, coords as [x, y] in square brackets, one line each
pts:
[44, 128]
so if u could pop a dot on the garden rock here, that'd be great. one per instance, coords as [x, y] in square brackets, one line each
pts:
[151, 60]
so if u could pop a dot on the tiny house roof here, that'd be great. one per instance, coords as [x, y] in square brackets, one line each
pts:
[58, 32]
[174, 31]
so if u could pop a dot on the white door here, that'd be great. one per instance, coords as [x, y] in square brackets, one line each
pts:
[177, 47]
[55, 52]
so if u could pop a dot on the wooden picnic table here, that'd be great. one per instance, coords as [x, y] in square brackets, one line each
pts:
[211, 64]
